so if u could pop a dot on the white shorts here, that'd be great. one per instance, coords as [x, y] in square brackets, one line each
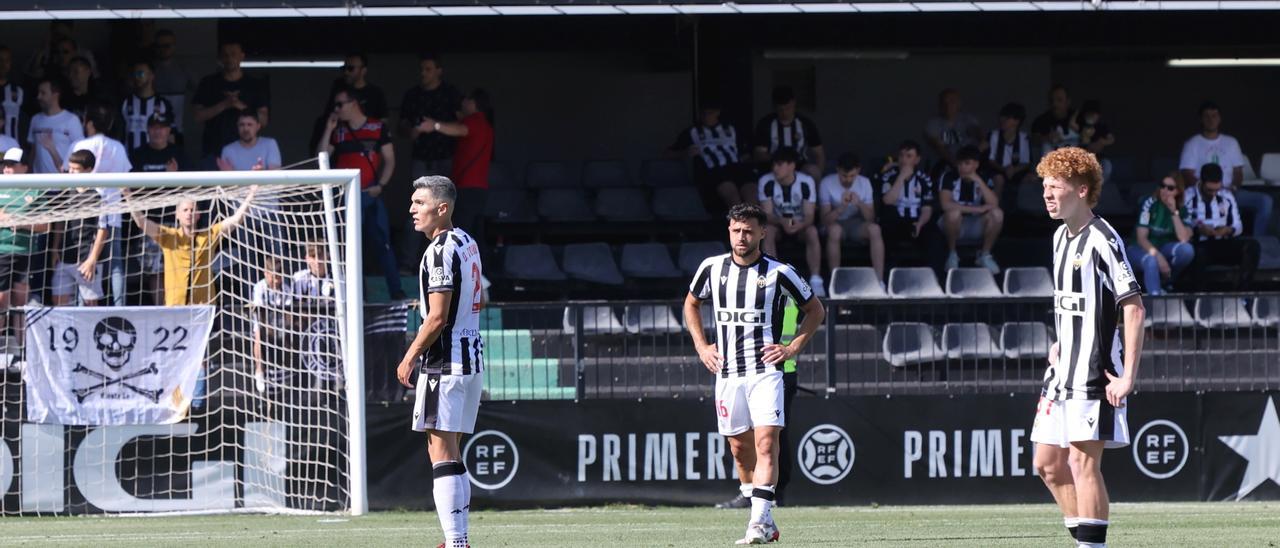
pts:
[743, 403]
[66, 278]
[448, 403]
[1060, 422]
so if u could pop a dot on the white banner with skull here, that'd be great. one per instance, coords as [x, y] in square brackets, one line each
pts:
[114, 365]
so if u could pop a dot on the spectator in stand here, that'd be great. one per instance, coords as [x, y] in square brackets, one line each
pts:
[786, 129]
[1162, 240]
[433, 101]
[18, 245]
[908, 192]
[789, 199]
[172, 79]
[250, 151]
[53, 130]
[1095, 136]
[1211, 146]
[314, 281]
[471, 160]
[54, 59]
[847, 208]
[7, 142]
[970, 209]
[159, 152]
[1052, 129]
[110, 157]
[13, 98]
[950, 131]
[79, 243]
[272, 320]
[1009, 151]
[355, 70]
[84, 91]
[138, 108]
[358, 141]
[1219, 229]
[222, 96]
[716, 150]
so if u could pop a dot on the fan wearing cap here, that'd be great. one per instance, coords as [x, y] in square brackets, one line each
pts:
[16, 242]
[159, 153]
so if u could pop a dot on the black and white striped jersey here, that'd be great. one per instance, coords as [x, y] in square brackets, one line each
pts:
[1091, 275]
[452, 264]
[963, 191]
[1004, 154]
[788, 200]
[1219, 211]
[135, 111]
[12, 99]
[800, 135]
[718, 145]
[917, 192]
[748, 303]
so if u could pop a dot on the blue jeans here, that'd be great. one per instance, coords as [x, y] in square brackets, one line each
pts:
[115, 265]
[1260, 204]
[1179, 256]
[378, 232]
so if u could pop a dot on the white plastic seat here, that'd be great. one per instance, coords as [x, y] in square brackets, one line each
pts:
[1166, 313]
[855, 282]
[649, 318]
[1266, 311]
[1270, 168]
[970, 341]
[1251, 177]
[1032, 281]
[913, 282]
[907, 343]
[595, 320]
[972, 282]
[1025, 340]
[1221, 312]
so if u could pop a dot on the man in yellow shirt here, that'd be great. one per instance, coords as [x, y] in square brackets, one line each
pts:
[188, 252]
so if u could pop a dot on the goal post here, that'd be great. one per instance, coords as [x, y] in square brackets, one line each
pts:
[110, 407]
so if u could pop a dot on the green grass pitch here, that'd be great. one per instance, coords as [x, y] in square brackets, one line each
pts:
[1145, 524]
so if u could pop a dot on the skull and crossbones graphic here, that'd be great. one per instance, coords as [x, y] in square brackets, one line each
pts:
[115, 338]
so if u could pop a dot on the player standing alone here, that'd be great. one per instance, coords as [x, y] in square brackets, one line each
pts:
[449, 378]
[746, 288]
[1098, 311]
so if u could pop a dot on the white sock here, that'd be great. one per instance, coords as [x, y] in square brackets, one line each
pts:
[449, 489]
[761, 504]
[1091, 533]
[745, 489]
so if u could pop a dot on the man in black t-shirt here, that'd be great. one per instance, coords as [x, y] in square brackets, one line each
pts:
[158, 154]
[79, 243]
[435, 100]
[221, 96]
[785, 128]
[1052, 129]
[716, 149]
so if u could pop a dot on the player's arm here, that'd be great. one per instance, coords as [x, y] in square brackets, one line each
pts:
[1120, 387]
[230, 223]
[814, 315]
[707, 352]
[89, 267]
[432, 326]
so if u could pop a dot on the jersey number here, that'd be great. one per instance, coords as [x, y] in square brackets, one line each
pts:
[476, 301]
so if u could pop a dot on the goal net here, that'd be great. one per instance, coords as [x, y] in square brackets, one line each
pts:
[181, 342]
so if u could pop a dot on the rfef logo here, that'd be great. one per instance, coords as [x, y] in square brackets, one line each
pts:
[826, 454]
[1160, 449]
[492, 459]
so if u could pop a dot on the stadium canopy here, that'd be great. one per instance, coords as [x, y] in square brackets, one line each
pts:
[227, 9]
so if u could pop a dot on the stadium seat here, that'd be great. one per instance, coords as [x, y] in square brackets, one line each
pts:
[913, 283]
[972, 282]
[649, 260]
[849, 338]
[508, 206]
[531, 262]
[1111, 202]
[1025, 340]
[549, 175]
[564, 205]
[596, 320]
[665, 173]
[1139, 192]
[1221, 312]
[1124, 169]
[1167, 313]
[500, 177]
[679, 204]
[970, 341]
[1030, 200]
[605, 174]
[1028, 282]
[648, 319]
[1270, 168]
[1163, 165]
[623, 205]
[1266, 311]
[591, 262]
[691, 254]
[1269, 253]
[907, 343]
[855, 282]
[1251, 177]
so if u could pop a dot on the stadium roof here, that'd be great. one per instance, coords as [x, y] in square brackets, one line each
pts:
[218, 9]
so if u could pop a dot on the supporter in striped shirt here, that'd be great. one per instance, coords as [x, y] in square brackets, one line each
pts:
[970, 209]
[907, 193]
[790, 200]
[785, 128]
[717, 149]
[141, 105]
[1219, 229]
[1009, 151]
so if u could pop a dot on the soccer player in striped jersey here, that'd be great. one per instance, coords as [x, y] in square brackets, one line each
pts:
[449, 376]
[747, 289]
[1098, 311]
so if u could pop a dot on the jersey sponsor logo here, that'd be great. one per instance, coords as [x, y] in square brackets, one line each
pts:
[1144, 218]
[492, 459]
[1077, 261]
[1160, 449]
[826, 454]
[740, 317]
[1069, 302]
[437, 276]
[1125, 275]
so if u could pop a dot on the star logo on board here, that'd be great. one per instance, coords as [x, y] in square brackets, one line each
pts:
[1262, 450]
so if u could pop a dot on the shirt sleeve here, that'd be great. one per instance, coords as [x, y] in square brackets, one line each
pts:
[168, 238]
[206, 95]
[809, 190]
[273, 155]
[812, 136]
[761, 195]
[1119, 272]
[440, 268]
[926, 189]
[1188, 157]
[862, 187]
[409, 114]
[1144, 212]
[1235, 158]
[260, 294]
[826, 192]
[1237, 225]
[700, 288]
[794, 286]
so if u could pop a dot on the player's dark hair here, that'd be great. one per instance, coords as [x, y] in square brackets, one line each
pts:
[745, 212]
[359, 97]
[783, 95]
[56, 83]
[102, 118]
[909, 145]
[1211, 173]
[83, 158]
[271, 264]
[786, 155]
[316, 249]
[1014, 111]
[248, 113]
[144, 61]
[969, 152]
[1208, 105]
[848, 161]
[364, 59]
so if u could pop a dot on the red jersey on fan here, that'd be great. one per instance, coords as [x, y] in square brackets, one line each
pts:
[360, 148]
[473, 153]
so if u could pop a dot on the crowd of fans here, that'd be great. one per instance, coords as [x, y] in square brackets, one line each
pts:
[955, 188]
